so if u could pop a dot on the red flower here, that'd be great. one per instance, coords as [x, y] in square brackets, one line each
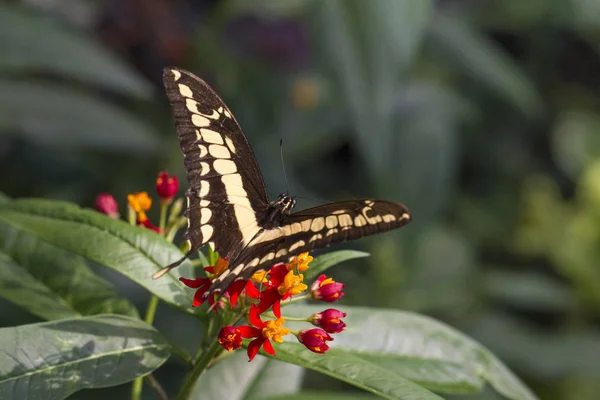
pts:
[326, 289]
[145, 222]
[282, 283]
[330, 320]
[202, 284]
[230, 337]
[262, 332]
[106, 204]
[314, 339]
[166, 187]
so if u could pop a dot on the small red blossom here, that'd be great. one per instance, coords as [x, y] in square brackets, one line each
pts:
[166, 187]
[106, 204]
[262, 332]
[282, 284]
[202, 284]
[315, 339]
[330, 320]
[326, 289]
[230, 337]
[145, 222]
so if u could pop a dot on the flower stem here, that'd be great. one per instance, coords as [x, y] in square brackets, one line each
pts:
[136, 390]
[199, 368]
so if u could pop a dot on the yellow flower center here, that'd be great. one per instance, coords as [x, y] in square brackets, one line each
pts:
[327, 281]
[292, 284]
[260, 276]
[139, 202]
[220, 266]
[274, 330]
[300, 262]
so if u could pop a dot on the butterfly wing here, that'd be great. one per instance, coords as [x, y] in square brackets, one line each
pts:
[227, 194]
[311, 229]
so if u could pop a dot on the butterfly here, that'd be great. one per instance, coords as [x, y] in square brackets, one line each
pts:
[227, 203]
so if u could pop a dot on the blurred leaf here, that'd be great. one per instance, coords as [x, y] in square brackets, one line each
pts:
[236, 379]
[485, 62]
[55, 115]
[52, 284]
[543, 354]
[322, 263]
[367, 47]
[397, 347]
[33, 42]
[55, 359]
[576, 141]
[274, 9]
[306, 395]
[530, 290]
[133, 251]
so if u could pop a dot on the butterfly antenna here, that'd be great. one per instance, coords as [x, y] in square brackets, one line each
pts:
[287, 190]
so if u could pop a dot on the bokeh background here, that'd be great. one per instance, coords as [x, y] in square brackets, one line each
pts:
[483, 117]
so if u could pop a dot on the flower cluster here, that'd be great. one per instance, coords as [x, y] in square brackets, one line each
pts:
[263, 295]
[139, 203]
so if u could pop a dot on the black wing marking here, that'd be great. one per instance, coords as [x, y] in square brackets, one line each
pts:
[311, 229]
[227, 194]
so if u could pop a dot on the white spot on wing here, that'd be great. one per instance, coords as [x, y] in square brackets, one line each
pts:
[210, 136]
[359, 221]
[331, 221]
[389, 218]
[199, 120]
[331, 232]
[218, 151]
[345, 220]
[244, 214]
[317, 224]
[185, 90]
[230, 144]
[296, 245]
[204, 188]
[203, 151]
[205, 168]
[268, 257]
[205, 215]
[207, 232]
[176, 74]
[224, 167]
[281, 253]
[315, 237]
[204, 203]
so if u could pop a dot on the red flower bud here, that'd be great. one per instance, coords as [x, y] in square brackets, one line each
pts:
[106, 204]
[330, 320]
[166, 187]
[230, 337]
[326, 289]
[314, 339]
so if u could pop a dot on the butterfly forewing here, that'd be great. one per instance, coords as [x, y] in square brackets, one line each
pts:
[227, 194]
[315, 228]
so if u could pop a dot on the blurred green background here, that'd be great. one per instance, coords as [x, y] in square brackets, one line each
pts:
[483, 117]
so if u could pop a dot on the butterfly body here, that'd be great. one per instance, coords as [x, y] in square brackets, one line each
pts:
[228, 207]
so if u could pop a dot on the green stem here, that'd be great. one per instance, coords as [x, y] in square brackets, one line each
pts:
[163, 217]
[136, 390]
[199, 368]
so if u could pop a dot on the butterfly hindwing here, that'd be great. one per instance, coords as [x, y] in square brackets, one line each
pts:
[313, 228]
[227, 194]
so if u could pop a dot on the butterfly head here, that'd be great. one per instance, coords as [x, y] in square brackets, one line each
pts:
[285, 203]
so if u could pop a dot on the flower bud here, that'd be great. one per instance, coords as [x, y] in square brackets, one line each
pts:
[314, 339]
[166, 187]
[326, 289]
[330, 320]
[106, 204]
[230, 337]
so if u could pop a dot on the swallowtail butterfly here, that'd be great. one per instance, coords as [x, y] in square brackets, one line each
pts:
[228, 206]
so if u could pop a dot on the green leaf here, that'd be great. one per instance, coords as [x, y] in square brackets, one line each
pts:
[52, 283]
[54, 115]
[235, 378]
[322, 263]
[133, 251]
[485, 62]
[33, 42]
[305, 395]
[381, 347]
[52, 360]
